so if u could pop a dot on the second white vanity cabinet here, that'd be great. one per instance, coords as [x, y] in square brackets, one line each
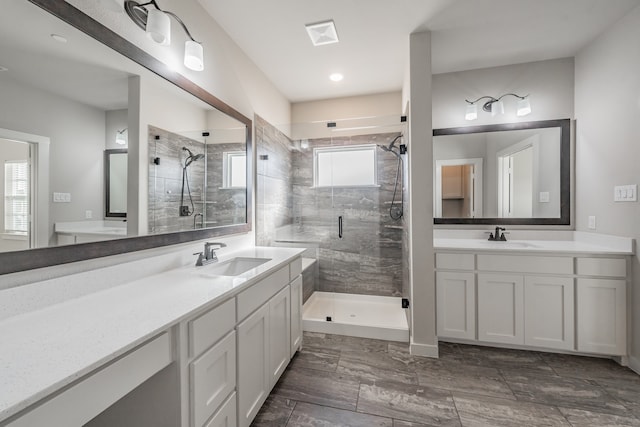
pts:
[563, 302]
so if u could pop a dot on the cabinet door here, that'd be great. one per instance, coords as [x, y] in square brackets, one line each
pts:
[549, 312]
[213, 378]
[500, 308]
[226, 416]
[279, 334]
[296, 315]
[456, 305]
[253, 364]
[602, 316]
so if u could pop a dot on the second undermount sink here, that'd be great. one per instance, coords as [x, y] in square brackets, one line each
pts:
[234, 266]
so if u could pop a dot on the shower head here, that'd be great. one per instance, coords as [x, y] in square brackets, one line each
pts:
[191, 157]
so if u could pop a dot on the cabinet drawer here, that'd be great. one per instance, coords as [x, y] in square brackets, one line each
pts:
[213, 378]
[226, 416]
[261, 292]
[455, 261]
[205, 330]
[611, 267]
[295, 268]
[526, 264]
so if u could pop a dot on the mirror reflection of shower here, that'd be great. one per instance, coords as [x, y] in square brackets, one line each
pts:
[184, 210]
[396, 210]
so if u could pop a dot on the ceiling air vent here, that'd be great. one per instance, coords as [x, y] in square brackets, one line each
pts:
[322, 33]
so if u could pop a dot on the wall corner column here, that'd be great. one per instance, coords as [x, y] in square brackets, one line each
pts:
[424, 341]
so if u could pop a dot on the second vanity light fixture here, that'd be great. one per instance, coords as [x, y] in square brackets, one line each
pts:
[157, 25]
[496, 106]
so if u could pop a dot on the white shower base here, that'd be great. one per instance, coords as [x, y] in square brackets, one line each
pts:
[365, 316]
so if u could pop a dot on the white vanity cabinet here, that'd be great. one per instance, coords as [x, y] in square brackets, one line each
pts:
[562, 302]
[501, 308]
[296, 314]
[264, 337]
[456, 302]
[212, 374]
[601, 305]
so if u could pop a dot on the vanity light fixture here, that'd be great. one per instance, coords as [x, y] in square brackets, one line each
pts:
[322, 33]
[495, 106]
[157, 24]
[121, 138]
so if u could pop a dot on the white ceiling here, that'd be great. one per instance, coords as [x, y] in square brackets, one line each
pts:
[374, 37]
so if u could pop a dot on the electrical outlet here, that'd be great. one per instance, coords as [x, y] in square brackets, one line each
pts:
[88, 214]
[544, 197]
[592, 223]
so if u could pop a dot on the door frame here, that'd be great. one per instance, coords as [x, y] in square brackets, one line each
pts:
[39, 174]
[477, 188]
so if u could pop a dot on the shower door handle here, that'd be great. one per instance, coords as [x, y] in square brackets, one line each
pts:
[340, 227]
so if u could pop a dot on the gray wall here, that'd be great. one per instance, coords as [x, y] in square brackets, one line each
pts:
[607, 141]
[77, 133]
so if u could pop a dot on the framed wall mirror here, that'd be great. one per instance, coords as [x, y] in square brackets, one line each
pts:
[89, 93]
[115, 181]
[516, 173]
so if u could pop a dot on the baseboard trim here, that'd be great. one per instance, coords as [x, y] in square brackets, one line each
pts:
[424, 350]
[634, 364]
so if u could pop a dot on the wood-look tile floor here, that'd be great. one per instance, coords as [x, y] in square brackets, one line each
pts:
[355, 382]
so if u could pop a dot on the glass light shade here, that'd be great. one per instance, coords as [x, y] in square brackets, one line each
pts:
[524, 107]
[497, 108]
[472, 112]
[159, 27]
[193, 56]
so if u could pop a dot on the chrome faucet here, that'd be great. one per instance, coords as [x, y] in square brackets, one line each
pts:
[209, 254]
[497, 237]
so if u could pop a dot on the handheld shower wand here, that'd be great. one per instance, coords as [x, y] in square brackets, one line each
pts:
[394, 213]
[184, 210]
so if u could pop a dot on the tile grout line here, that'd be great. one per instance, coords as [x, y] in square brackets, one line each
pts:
[295, 404]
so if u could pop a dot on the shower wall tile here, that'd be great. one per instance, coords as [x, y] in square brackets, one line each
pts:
[274, 204]
[368, 259]
[219, 206]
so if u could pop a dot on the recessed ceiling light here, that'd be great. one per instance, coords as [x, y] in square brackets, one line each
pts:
[322, 33]
[59, 38]
[336, 77]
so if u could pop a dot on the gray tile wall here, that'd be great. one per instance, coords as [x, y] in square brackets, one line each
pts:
[223, 206]
[368, 259]
[274, 202]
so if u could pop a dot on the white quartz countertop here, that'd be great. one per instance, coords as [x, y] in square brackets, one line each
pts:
[46, 349]
[579, 243]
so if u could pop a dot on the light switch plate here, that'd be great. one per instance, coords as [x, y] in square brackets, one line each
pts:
[591, 223]
[625, 193]
[62, 197]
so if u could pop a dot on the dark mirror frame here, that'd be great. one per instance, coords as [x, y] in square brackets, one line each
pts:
[12, 262]
[107, 183]
[565, 171]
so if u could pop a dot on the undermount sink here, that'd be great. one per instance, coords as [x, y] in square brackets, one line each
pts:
[234, 266]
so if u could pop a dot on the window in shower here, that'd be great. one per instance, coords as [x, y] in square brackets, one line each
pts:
[234, 171]
[350, 166]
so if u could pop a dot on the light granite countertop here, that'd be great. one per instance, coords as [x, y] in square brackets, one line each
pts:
[45, 349]
[577, 243]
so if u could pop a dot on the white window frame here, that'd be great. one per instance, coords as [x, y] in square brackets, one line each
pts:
[227, 169]
[10, 198]
[336, 149]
